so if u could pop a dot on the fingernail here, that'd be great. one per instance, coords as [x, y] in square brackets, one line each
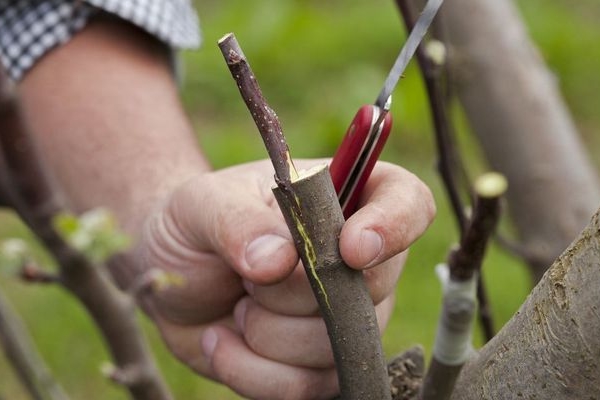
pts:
[239, 315]
[370, 245]
[260, 252]
[209, 342]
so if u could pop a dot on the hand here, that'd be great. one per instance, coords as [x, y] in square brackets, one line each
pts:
[246, 315]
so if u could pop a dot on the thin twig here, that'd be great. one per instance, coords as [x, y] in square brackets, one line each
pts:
[264, 117]
[32, 273]
[453, 340]
[24, 357]
[449, 162]
[466, 261]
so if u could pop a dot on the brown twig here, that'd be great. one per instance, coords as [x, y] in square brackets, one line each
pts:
[406, 373]
[449, 162]
[36, 200]
[448, 159]
[314, 217]
[32, 273]
[466, 261]
[264, 117]
[24, 358]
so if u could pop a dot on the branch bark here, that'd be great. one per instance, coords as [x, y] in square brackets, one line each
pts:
[550, 348]
[514, 107]
[23, 356]
[315, 219]
[36, 200]
[263, 115]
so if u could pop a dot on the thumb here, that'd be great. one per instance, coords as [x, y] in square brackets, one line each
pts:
[234, 220]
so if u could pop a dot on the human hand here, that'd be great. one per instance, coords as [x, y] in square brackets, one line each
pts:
[246, 315]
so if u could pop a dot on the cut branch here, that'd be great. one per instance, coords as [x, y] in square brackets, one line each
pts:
[452, 346]
[406, 373]
[36, 200]
[466, 261]
[314, 217]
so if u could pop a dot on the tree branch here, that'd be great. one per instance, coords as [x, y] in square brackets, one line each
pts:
[36, 200]
[550, 347]
[264, 117]
[23, 356]
[449, 162]
[466, 261]
[314, 217]
[452, 345]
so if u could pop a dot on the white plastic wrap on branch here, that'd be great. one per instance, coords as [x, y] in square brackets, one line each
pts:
[453, 338]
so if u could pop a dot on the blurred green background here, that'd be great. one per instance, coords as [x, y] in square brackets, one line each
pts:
[317, 62]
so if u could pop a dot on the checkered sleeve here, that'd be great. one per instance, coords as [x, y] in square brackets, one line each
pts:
[30, 28]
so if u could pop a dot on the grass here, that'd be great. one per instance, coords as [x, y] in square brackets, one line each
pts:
[317, 62]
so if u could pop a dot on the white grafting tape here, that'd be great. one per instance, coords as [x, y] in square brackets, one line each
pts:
[453, 346]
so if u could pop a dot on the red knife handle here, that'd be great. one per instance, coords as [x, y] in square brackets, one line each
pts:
[355, 158]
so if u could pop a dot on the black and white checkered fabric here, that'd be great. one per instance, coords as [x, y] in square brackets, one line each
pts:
[29, 28]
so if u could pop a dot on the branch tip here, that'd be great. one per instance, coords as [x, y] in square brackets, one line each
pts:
[264, 117]
[31, 273]
[436, 51]
[128, 376]
[225, 37]
[490, 185]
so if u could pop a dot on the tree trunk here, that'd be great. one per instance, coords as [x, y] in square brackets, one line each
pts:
[551, 347]
[514, 107]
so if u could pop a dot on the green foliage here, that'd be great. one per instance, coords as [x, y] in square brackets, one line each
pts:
[95, 233]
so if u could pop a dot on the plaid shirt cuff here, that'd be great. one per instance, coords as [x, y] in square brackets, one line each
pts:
[30, 28]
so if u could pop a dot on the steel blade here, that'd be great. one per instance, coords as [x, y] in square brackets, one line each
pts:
[411, 45]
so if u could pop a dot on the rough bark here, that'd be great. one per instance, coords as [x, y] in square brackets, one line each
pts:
[551, 347]
[513, 105]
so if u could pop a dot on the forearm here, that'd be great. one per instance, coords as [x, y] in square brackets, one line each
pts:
[106, 113]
